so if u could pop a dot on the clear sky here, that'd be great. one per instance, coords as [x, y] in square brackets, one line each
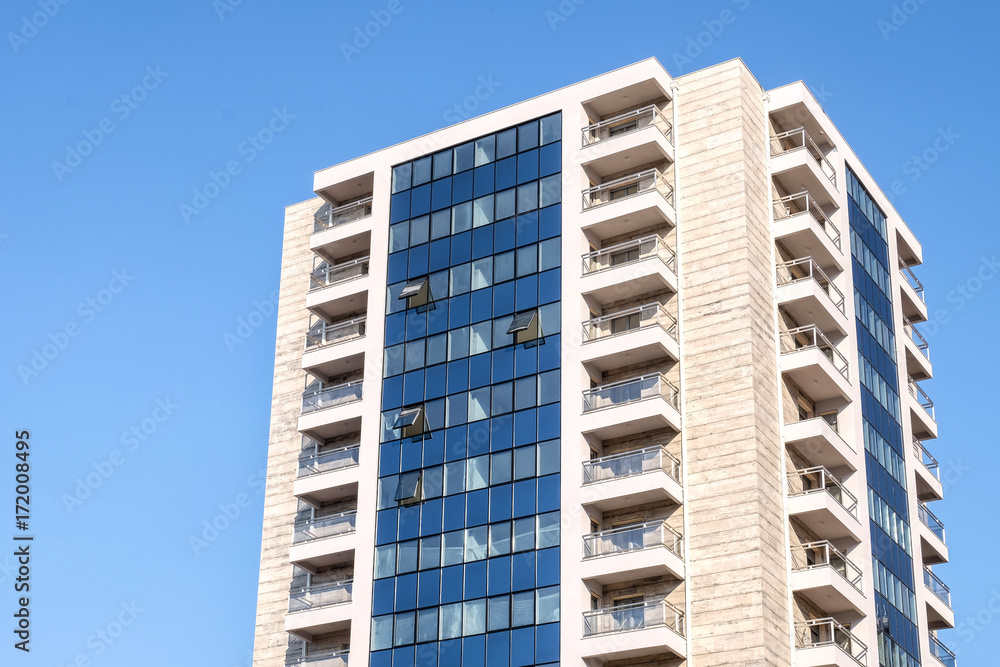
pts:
[151, 284]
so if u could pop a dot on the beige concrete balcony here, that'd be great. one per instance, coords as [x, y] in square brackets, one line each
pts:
[640, 200]
[631, 268]
[819, 442]
[941, 653]
[930, 530]
[819, 500]
[327, 659]
[328, 540]
[922, 419]
[939, 612]
[626, 479]
[640, 551]
[315, 610]
[334, 349]
[338, 289]
[805, 230]
[628, 337]
[827, 578]
[810, 360]
[641, 136]
[807, 294]
[342, 230]
[631, 406]
[825, 642]
[927, 473]
[330, 411]
[332, 475]
[918, 355]
[798, 164]
[912, 296]
[633, 631]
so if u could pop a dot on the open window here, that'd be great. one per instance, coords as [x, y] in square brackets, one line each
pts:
[410, 421]
[416, 292]
[525, 327]
[409, 488]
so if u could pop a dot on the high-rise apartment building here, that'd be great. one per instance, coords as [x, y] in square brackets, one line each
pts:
[625, 374]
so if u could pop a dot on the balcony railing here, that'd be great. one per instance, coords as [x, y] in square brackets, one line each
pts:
[828, 632]
[335, 459]
[627, 464]
[912, 279]
[321, 334]
[327, 275]
[316, 597]
[628, 252]
[632, 319]
[626, 123]
[806, 269]
[333, 659]
[793, 205]
[633, 185]
[928, 519]
[811, 338]
[918, 340]
[321, 398]
[632, 538]
[341, 215]
[926, 459]
[937, 587]
[797, 139]
[823, 554]
[941, 652]
[922, 398]
[817, 480]
[638, 616]
[631, 391]
[328, 526]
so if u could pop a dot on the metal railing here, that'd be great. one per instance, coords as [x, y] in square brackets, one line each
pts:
[632, 319]
[912, 280]
[321, 334]
[333, 659]
[817, 480]
[941, 652]
[327, 275]
[316, 597]
[810, 338]
[632, 538]
[918, 340]
[805, 268]
[329, 397]
[627, 464]
[925, 458]
[626, 123]
[630, 391]
[341, 215]
[822, 632]
[937, 587]
[637, 616]
[344, 523]
[798, 138]
[802, 202]
[628, 186]
[335, 459]
[629, 252]
[823, 554]
[922, 398]
[928, 519]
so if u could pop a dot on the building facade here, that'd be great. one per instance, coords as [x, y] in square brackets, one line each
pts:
[625, 374]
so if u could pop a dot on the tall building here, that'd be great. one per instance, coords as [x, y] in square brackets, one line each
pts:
[625, 374]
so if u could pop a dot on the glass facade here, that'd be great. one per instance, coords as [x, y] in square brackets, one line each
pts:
[892, 566]
[467, 536]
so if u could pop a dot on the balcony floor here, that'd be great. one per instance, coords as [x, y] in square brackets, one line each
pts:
[825, 517]
[807, 303]
[322, 425]
[797, 170]
[632, 214]
[802, 236]
[334, 301]
[628, 418]
[811, 370]
[307, 624]
[314, 554]
[816, 440]
[335, 359]
[614, 155]
[829, 591]
[327, 486]
[629, 280]
[631, 490]
[631, 565]
[629, 348]
[633, 644]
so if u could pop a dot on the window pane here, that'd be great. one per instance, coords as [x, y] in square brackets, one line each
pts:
[479, 404]
[505, 204]
[527, 197]
[548, 387]
[442, 164]
[463, 157]
[382, 632]
[527, 136]
[406, 625]
[527, 260]
[482, 273]
[454, 477]
[506, 143]
[458, 343]
[437, 349]
[485, 150]
[385, 561]
[478, 471]
[548, 457]
[551, 130]
[414, 355]
[399, 237]
[524, 393]
[549, 254]
[427, 624]
[407, 559]
[460, 279]
[503, 267]
[524, 462]
[430, 552]
[524, 534]
[454, 548]
[393, 360]
[548, 605]
[440, 224]
[461, 220]
[482, 211]
[475, 543]
[523, 608]
[480, 338]
[401, 177]
[499, 612]
[551, 188]
[548, 530]
[458, 413]
[451, 621]
[475, 617]
[433, 481]
[499, 539]
[502, 399]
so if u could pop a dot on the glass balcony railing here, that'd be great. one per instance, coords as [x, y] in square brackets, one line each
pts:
[922, 398]
[627, 123]
[328, 526]
[828, 632]
[333, 659]
[941, 652]
[327, 274]
[631, 391]
[925, 458]
[793, 205]
[627, 464]
[637, 616]
[633, 319]
[798, 139]
[331, 217]
[912, 280]
[650, 180]
[806, 269]
[641, 536]
[321, 334]
[818, 480]
[317, 597]
[823, 554]
[811, 338]
[928, 519]
[918, 340]
[937, 586]
[335, 459]
[319, 397]
[628, 252]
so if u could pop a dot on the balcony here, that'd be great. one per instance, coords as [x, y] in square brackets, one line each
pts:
[823, 505]
[917, 349]
[632, 478]
[810, 360]
[631, 406]
[807, 294]
[941, 652]
[331, 659]
[827, 578]
[338, 289]
[640, 200]
[332, 475]
[315, 610]
[330, 411]
[630, 268]
[927, 474]
[805, 230]
[797, 163]
[826, 643]
[329, 217]
[922, 419]
[633, 631]
[642, 136]
[819, 442]
[334, 349]
[931, 531]
[338, 231]
[325, 541]
[640, 551]
[912, 291]
[630, 337]
[939, 613]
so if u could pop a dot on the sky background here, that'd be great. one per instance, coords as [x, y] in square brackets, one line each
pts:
[143, 306]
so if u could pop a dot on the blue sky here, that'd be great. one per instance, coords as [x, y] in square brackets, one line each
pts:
[154, 324]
